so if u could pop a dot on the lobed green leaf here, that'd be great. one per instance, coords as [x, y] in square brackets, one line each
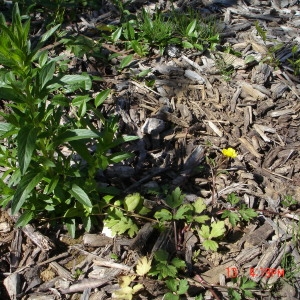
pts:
[217, 229]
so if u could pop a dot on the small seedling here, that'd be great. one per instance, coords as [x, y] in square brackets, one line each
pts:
[119, 214]
[295, 60]
[244, 290]
[289, 201]
[239, 211]
[271, 51]
[126, 291]
[216, 230]
[163, 267]
[177, 287]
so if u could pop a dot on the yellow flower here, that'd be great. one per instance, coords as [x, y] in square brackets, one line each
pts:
[229, 152]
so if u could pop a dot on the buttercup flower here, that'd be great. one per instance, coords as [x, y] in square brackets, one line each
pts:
[229, 152]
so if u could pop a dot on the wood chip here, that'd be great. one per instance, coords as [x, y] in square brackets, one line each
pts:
[249, 147]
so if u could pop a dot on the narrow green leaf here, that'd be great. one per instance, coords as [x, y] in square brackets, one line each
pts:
[82, 109]
[51, 186]
[82, 150]
[46, 74]
[138, 48]
[130, 31]
[71, 226]
[120, 156]
[144, 73]
[101, 97]
[16, 18]
[76, 134]
[43, 58]
[126, 61]
[25, 218]
[87, 223]
[2, 20]
[249, 59]
[260, 31]
[187, 45]
[123, 139]
[26, 145]
[28, 182]
[48, 33]
[79, 80]
[116, 34]
[25, 33]
[5, 127]
[77, 101]
[79, 194]
[191, 27]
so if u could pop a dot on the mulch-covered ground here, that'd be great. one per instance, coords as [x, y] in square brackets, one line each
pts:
[194, 109]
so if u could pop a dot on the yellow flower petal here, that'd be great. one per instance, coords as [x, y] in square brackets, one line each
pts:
[229, 152]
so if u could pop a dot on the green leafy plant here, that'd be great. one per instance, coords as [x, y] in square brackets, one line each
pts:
[288, 201]
[190, 213]
[244, 290]
[163, 267]
[77, 273]
[295, 60]
[146, 31]
[291, 268]
[40, 139]
[121, 6]
[195, 31]
[177, 210]
[56, 10]
[226, 69]
[239, 211]
[177, 287]
[81, 45]
[119, 215]
[216, 230]
[271, 50]
[156, 30]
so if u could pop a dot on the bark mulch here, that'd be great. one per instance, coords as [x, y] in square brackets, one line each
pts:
[200, 103]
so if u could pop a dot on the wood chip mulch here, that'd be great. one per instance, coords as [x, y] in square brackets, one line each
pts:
[184, 120]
